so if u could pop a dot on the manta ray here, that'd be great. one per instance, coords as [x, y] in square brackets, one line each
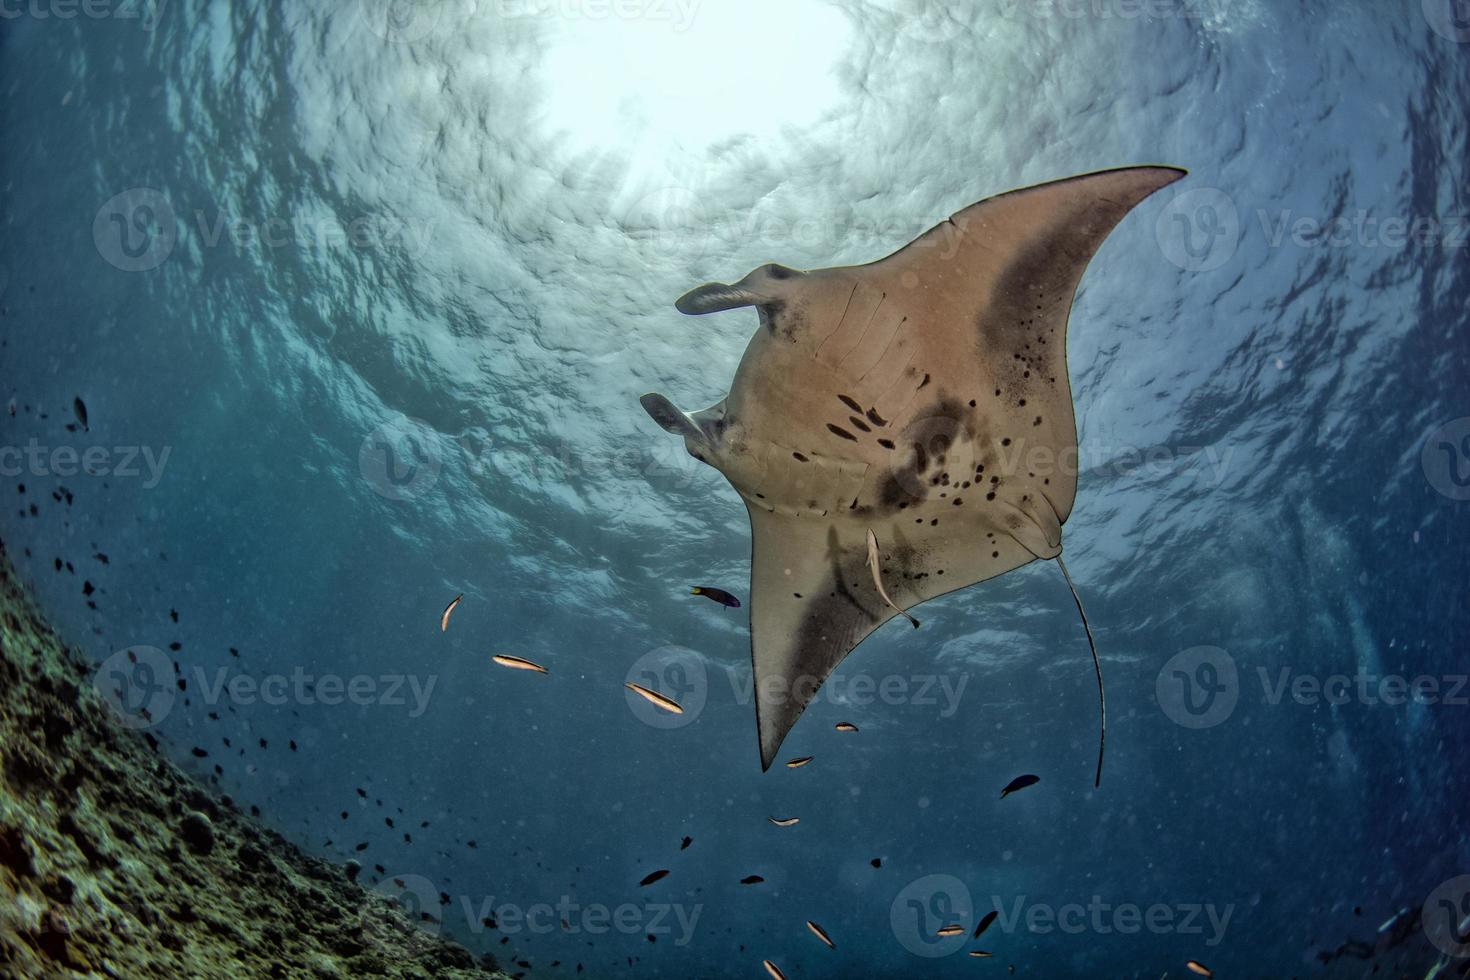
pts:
[903, 429]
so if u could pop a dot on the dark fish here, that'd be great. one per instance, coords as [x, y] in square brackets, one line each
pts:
[981, 953]
[820, 933]
[717, 595]
[1020, 782]
[773, 970]
[799, 762]
[1197, 967]
[985, 923]
[876, 862]
[80, 407]
[784, 821]
[653, 876]
[955, 930]
[685, 845]
[752, 880]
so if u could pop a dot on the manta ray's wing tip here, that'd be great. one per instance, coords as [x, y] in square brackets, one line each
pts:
[1172, 172]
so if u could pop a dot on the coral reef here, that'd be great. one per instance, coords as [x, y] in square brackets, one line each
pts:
[115, 863]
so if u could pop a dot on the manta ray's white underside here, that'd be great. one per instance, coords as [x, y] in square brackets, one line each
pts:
[923, 397]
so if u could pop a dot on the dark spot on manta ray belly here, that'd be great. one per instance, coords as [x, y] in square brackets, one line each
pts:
[903, 485]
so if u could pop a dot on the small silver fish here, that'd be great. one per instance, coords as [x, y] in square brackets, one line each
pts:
[517, 663]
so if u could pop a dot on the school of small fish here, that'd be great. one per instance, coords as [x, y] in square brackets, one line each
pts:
[524, 665]
[667, 703]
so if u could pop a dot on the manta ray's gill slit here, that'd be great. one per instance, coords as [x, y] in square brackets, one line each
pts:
[843, 433]
[886, 443]
[858, 423]
[850, 403]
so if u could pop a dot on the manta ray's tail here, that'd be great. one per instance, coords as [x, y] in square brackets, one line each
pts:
[1102, 739]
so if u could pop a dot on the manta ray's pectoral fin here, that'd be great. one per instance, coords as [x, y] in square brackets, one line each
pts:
[811, 601]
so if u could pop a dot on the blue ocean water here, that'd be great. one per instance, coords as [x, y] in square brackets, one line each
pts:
[360, 298]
